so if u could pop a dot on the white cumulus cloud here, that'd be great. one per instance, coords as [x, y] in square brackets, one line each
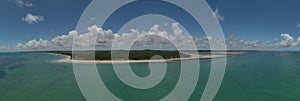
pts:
[155, 38]
[34, 44]
[287, 41]
[31, 19]
[103, 39]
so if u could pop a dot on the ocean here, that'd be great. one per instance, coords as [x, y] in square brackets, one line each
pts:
[260, 76]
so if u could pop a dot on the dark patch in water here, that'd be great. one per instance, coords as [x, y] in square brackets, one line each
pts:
[12, 68]
[2, 74]
[4, 62]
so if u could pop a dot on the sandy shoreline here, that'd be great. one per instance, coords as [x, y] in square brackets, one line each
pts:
[67, 59]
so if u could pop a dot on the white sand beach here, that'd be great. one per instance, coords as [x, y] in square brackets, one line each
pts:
[68, 59]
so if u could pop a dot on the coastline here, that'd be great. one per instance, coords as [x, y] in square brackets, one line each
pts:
[67, 59]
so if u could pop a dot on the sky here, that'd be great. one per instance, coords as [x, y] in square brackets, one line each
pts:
[259, 19]
[251, 22]
[60, 16]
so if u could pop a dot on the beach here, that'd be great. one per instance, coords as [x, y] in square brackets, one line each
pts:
[192, 56]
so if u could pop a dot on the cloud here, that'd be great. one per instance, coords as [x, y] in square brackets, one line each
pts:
[287, 40]
[66, 41]
[298, 25]
[103, 39]
[217, 15]
[236, 44]
[2, 47]
[31, 19]
[34, 44]
[22, 3]
[155, 38]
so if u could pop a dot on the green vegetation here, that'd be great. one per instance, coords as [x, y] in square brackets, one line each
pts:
[121, 54]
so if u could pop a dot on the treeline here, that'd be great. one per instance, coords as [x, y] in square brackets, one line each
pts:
[122, 54]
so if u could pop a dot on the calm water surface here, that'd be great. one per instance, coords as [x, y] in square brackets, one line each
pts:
[257, 77]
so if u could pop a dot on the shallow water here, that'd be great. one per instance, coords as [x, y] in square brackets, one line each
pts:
[257, 77]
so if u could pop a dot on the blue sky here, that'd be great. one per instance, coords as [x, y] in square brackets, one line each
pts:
[247, 19]
[259, 19]
[60, 16]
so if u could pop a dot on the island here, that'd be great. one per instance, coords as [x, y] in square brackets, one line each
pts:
[140, 56]
[122, 54]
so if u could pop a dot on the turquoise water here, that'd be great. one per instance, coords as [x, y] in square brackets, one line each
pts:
[266, 76]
